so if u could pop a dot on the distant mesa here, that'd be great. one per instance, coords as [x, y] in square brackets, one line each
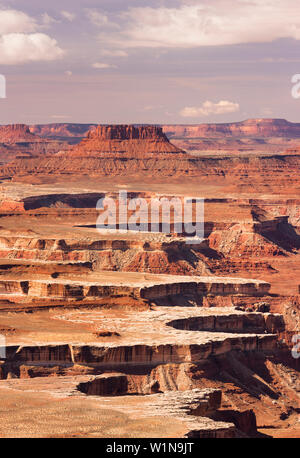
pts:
[145, 151]
[259, 127]
[61, 130]
[127, 132]
[16, 133]
[106, 150]
[125, 139]
[18, 141]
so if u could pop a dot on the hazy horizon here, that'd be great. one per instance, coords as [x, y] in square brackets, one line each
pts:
[150, 123]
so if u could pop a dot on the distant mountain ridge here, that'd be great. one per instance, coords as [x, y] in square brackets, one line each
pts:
[145, 153]
[16, 133]
[61, 130]
[18, 140]
[258, 127]
[250, 128]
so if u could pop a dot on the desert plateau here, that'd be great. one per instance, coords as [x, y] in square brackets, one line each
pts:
[108, 333]
[149, 225]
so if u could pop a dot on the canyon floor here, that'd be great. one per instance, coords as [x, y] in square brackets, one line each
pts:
[141, 334]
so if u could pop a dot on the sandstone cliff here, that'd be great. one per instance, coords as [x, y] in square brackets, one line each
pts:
[16, 140]
[15, 133]
[124, 139]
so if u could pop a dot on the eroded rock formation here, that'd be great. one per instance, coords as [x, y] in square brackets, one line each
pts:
[16, 140]
[199, 334]
[16, 133]
[124, 139]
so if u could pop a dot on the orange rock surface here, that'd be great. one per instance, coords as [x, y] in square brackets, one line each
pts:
[198, 334]
[15, 133]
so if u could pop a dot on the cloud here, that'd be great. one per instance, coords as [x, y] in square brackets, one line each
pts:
[68, 15]
[48, 20]
[20, 41]
[12, 21]
[114, 53]
[205, 23]
[96, 17]
[68, 73]
[210, 108]
[19, 48]
[102, 65]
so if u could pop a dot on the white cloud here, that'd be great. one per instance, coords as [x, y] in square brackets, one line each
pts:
[19, 48]
[48, 20]
[206, 23]
[114, 53]
[210, 108]
[12, 21]
[102, 65]
[96, 17]
[20, 41]
[68, 15]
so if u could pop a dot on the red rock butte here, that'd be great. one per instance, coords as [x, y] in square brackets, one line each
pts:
[15, 133]
[124, 139]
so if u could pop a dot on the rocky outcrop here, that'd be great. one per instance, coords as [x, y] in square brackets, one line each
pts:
[17, 141]
[106, 385]
[206, 287]
[16, 133]
[115, 355]
[246, 322]
[108, 285]
[244, 421]
[124, 139]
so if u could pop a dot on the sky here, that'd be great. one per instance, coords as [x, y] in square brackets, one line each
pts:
[155, 61]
